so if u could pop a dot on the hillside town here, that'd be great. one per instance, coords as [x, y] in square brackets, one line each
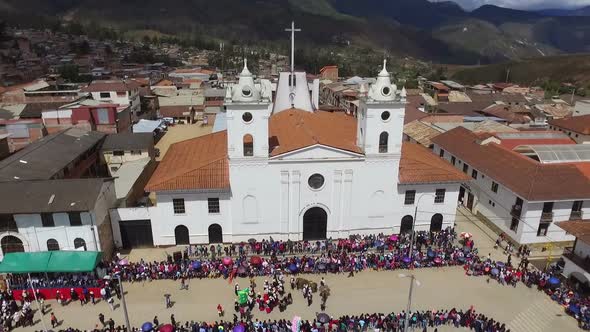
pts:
[122, 171]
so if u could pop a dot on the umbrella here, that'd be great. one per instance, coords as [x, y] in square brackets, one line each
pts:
[495, 271]
[431, 253]
[393, 238]
[256, 260]
[241, 270]
[227, 261]
[438, 260]
[466, 235]
[239, 328]
[293, 268]
[295, 323]
[196, 265]
[407, 259]
[554, 281]
[167, 328]
[323, 318]
[461, 259]
[378, 243]
[147, 326]
[321, 266]
[124, 261]
[574, 309]
[500, 264]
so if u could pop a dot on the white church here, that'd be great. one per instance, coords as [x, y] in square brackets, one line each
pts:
[284, 169]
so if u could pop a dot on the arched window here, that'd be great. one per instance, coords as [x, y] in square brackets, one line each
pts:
[407, 224]
[248, 145]
[383, 140]
[11, 244]
[80, 243]
[436, 222]
[52, 245]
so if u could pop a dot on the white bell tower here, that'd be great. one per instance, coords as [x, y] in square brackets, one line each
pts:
[380, 120]
[248, 109]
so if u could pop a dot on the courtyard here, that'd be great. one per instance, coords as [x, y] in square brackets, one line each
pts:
[521, 308]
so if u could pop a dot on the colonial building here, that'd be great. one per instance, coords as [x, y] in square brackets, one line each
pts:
[296, 173]
[522, 183]
[65, 214]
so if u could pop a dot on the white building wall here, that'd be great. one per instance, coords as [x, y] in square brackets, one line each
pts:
[196, 217]
[582, 250]
[496, 207]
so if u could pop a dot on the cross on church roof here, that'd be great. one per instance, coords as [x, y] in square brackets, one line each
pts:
[292, 30]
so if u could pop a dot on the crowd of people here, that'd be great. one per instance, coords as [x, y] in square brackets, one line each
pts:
[430, 320]
[12, 314]
[507, 273]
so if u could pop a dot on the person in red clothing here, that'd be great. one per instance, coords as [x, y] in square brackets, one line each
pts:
[220, 310]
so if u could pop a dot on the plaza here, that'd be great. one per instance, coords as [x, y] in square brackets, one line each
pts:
[521, 308]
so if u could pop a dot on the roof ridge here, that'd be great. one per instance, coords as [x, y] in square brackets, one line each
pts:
[185, 173]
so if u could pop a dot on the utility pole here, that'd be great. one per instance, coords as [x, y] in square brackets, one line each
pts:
[408, 307]
[124, 304]
[507, 74]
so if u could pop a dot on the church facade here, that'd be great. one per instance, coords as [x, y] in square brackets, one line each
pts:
[301, 174]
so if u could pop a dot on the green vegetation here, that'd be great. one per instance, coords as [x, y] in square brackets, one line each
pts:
[547, 72]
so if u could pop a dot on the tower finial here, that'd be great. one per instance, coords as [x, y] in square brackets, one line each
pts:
[245, 64]
[384, 64]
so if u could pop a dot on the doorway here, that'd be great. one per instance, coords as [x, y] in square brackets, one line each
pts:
[315, 224]
[181, 235]
[436, 223]
[215, 234]
[470, 199]
[407, 224]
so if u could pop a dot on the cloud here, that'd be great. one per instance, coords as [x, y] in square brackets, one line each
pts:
[524, 4]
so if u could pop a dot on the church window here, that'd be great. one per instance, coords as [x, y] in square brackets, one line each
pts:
[213, 205]
[383, 140]
[178, 205]
[316, 181]
[385, 116]
[247, 117]
[248, 145]
[386, 91]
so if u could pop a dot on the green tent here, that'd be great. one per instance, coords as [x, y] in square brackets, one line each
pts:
[25, 262]
[50, 261]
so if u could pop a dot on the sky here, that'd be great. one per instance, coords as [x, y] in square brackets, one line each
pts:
[524, 4]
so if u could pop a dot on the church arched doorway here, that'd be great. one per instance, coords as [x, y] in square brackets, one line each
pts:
[215, 234]
[315, 224]
[406, 225]
[436, 223]
[10, 244]
[181, 235]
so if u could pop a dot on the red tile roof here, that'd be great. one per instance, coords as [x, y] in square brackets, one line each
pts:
[117, 86]
[510, 144]
[174, 111]
[198, 163]
[526, 177]
[578, 228]
[420, 165]
[201, 163]
[295, 129]
[579, 124]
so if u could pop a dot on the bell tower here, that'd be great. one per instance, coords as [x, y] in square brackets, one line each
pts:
[248, 109]
[380, 120]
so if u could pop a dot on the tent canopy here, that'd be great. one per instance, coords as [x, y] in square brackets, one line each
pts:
[50, 261]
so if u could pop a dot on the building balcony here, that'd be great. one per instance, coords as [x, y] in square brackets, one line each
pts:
[516, 210]
[571, 257]
[547, 217]
[576, 215]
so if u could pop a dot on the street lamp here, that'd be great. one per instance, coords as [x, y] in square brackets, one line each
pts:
[412, 281]
[123, 303]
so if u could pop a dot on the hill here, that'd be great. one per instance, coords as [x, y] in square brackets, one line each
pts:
[584, 11]
[536, 71]
[436, 31]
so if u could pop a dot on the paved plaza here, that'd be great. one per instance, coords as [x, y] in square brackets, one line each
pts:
[523, 309]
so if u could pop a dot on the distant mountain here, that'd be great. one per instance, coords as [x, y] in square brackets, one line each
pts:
[584, 11]
[440, 31]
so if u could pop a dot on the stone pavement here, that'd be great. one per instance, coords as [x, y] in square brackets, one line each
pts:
[522, 308]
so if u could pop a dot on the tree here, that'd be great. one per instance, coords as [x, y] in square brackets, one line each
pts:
[70, 73]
